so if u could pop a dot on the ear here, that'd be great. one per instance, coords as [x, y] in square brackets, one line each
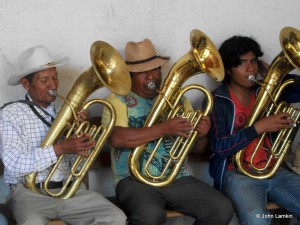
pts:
[25, 83]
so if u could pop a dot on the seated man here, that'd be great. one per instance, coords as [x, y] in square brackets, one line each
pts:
[233, 103]
[23, 126]
[144, 203]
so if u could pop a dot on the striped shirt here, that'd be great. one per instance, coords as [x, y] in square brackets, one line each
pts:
[21, 134]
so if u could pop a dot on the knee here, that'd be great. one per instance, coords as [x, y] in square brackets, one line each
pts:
[224, 211]
[153, 220]
[255, 216]
[118, 217]
[32, 219]
[147, 217]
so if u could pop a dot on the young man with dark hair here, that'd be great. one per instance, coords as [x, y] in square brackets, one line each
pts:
[233, 103]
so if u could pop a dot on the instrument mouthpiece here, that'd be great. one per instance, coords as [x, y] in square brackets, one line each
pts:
[151, 86]
[252, 78]
[52, 93]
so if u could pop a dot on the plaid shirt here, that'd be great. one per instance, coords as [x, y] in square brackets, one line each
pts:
[21, 134]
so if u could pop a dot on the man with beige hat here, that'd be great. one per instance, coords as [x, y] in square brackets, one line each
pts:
[23, 126]
[143, 203]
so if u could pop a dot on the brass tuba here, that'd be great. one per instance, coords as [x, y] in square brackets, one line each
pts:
[203, 57]
[267, 104]
[108, 70]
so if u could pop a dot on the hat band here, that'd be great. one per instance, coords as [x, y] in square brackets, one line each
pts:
[145, 60]
[49, 64]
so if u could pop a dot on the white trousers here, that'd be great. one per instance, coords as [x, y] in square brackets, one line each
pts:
[85, 208]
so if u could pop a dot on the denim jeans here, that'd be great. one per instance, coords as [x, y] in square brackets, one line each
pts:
[250, 196]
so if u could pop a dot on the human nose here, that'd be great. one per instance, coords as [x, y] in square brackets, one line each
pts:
[53, 83]
[150, 75]
[250, 67]
[153, 74]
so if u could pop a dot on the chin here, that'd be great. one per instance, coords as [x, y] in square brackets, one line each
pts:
[251, 85]
[151, 96]
[51, 99]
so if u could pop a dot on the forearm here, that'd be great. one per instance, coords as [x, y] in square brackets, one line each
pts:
[230, 144]
[127, 137]
[222, 141]
[200, 145]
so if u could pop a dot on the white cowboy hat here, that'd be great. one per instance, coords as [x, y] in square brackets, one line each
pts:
[141, 56]
[32, 60]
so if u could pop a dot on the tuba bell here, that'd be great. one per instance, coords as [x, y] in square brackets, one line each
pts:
[203, 57]
[267, 104]
[108, 70]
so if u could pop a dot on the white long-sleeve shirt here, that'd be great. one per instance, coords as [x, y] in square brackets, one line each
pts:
[21, 134]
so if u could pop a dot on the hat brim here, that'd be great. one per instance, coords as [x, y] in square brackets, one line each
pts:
[146, 66]
[15, 78]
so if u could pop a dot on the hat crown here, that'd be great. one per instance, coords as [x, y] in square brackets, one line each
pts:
[138, 51]
[141, 56]
[32, 60]
[34, 57]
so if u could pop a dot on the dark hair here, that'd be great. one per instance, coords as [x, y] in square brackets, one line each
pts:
[30, 77]
[232, 48]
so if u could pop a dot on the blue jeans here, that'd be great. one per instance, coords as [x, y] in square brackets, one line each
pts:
[250, 196]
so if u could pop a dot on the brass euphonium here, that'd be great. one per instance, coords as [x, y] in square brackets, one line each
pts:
[267, 104]
[108, 70]
[203, 57]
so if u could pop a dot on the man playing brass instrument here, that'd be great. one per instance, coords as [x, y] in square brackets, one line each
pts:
[143, 203]
[23, 126]
[233, 102]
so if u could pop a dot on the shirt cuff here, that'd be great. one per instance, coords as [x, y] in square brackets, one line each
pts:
[251, 133]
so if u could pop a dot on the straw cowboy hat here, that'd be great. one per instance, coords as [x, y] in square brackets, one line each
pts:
[32, 60]
[141, 56]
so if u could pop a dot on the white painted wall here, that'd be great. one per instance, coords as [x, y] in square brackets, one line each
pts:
[69, 28]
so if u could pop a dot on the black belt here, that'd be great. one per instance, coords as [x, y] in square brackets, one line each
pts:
[51, 185]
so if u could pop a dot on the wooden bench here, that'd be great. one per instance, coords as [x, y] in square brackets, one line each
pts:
[57, 222]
